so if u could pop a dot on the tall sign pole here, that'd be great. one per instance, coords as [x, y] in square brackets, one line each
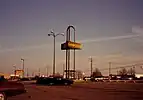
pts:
[68, 52]
[63, 69]
[69, 45]
[74, 57]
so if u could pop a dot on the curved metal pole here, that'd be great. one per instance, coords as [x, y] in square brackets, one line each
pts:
[68, 52]
[74, 56]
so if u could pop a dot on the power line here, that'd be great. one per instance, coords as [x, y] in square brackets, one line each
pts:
[128, 66]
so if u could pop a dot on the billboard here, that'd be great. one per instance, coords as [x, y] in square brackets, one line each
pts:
[71, 45]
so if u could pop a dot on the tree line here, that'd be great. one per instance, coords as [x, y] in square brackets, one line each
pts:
[121, 72]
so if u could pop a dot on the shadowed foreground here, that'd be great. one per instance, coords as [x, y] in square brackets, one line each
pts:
[83, 91]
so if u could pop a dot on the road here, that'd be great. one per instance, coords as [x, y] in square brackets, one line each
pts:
[83, 91]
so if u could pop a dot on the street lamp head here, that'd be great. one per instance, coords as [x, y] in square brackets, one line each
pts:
[62, 34]
[49, 34]
[52, 31]
[22, 59]
[14, 66]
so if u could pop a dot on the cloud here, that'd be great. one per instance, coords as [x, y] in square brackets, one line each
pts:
[82, 41]
[110, 38]
[137, 29]
[24, 48]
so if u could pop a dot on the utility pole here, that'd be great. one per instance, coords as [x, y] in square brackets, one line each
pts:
[117, 72]
[63, 69]
[14, 70]
[109, 68]
[91, 61]
[47, 71]
[32, 74]
[39, 72]
[27, 72]
[134, 70]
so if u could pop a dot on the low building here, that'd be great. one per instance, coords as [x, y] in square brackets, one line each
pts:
[139, 75]
[7, 76]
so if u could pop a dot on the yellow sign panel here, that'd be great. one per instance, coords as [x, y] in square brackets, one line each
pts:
[70, 45]
[74, 45]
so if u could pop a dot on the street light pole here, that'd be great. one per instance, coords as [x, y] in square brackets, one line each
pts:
[54, 51]
[14, 70]
[47, 71]
[54, 56]
[23, 66]
[91, 67]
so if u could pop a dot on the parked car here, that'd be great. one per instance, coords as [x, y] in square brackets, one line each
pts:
[24, 79]
[54, 81]
[10, 88]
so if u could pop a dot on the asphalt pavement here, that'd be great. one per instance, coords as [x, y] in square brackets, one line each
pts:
[83, 91]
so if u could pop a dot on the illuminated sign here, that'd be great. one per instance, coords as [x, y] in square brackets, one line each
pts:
[74, 45]
[19, 72]
[71, 45]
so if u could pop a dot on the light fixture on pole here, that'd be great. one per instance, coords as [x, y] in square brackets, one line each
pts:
[54, 53]
[91, 65]
[23, 65]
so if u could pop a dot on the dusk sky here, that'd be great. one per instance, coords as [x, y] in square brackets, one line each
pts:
[110, 31]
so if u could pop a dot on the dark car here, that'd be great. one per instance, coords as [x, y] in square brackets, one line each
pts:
[24, 79]
[10, 88]
[54, 81]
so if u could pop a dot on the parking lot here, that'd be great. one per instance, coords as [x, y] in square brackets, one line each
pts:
[83, 91]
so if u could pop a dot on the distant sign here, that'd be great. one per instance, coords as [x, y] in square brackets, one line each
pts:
[70, 45]
[19, 72]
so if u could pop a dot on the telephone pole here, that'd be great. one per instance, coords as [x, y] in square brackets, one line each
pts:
[47, 71]
[91, 63]
[32, 74]
[109, 68]
[27, 72]
[63, 69]
[14, 66]
[39, 72]
[134, 70]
